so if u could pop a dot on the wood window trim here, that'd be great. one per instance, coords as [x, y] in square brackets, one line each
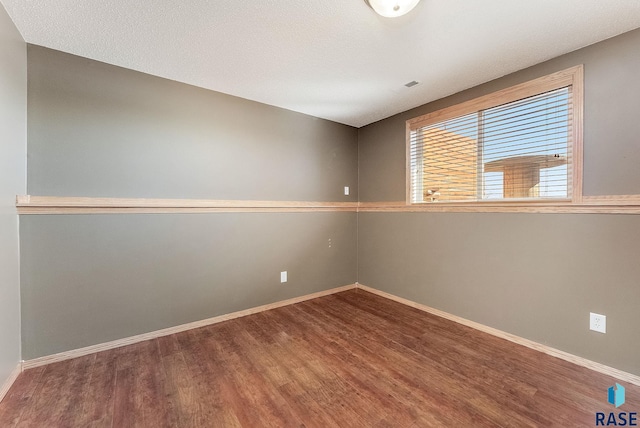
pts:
[573, 77]
[616, 204]
[577, 204]
[27, 204]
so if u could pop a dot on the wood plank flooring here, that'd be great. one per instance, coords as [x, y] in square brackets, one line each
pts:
[351, 359]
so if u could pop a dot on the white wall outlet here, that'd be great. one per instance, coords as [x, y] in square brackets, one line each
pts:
[598, 322]
[346, 190]
[283, 276]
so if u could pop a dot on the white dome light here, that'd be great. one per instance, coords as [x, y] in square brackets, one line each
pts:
[392, 8]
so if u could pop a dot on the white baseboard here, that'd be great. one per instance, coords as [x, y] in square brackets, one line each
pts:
[75, 353]
[598, 367]
[9, 382]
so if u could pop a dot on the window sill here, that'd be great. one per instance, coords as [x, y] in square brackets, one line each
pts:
[614, 204]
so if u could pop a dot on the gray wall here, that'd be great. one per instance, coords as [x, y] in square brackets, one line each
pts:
[105, 131]
[89, 279]
[99, 130]
[13, 146]
[611, 125]
[535, 275]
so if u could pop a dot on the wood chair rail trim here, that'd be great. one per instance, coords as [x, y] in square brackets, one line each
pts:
[28, 205]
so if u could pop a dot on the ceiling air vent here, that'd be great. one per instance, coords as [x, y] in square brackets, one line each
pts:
[412, 83]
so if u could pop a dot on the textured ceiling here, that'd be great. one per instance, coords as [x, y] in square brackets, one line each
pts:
[333, 59]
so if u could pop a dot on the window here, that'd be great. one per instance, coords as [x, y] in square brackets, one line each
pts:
[521, 144]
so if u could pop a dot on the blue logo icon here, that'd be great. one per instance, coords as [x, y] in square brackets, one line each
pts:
[616, 395]
[621, 419]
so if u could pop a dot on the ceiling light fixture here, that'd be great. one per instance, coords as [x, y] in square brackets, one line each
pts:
[392, 8]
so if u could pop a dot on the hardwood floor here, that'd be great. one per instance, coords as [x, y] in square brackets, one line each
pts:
[351, 359]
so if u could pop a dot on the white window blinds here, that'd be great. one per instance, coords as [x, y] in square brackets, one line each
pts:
[517, 150]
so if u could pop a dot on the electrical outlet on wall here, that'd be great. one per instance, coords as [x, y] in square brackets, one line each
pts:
[346, 190]
[598, 322]
[283, 276]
